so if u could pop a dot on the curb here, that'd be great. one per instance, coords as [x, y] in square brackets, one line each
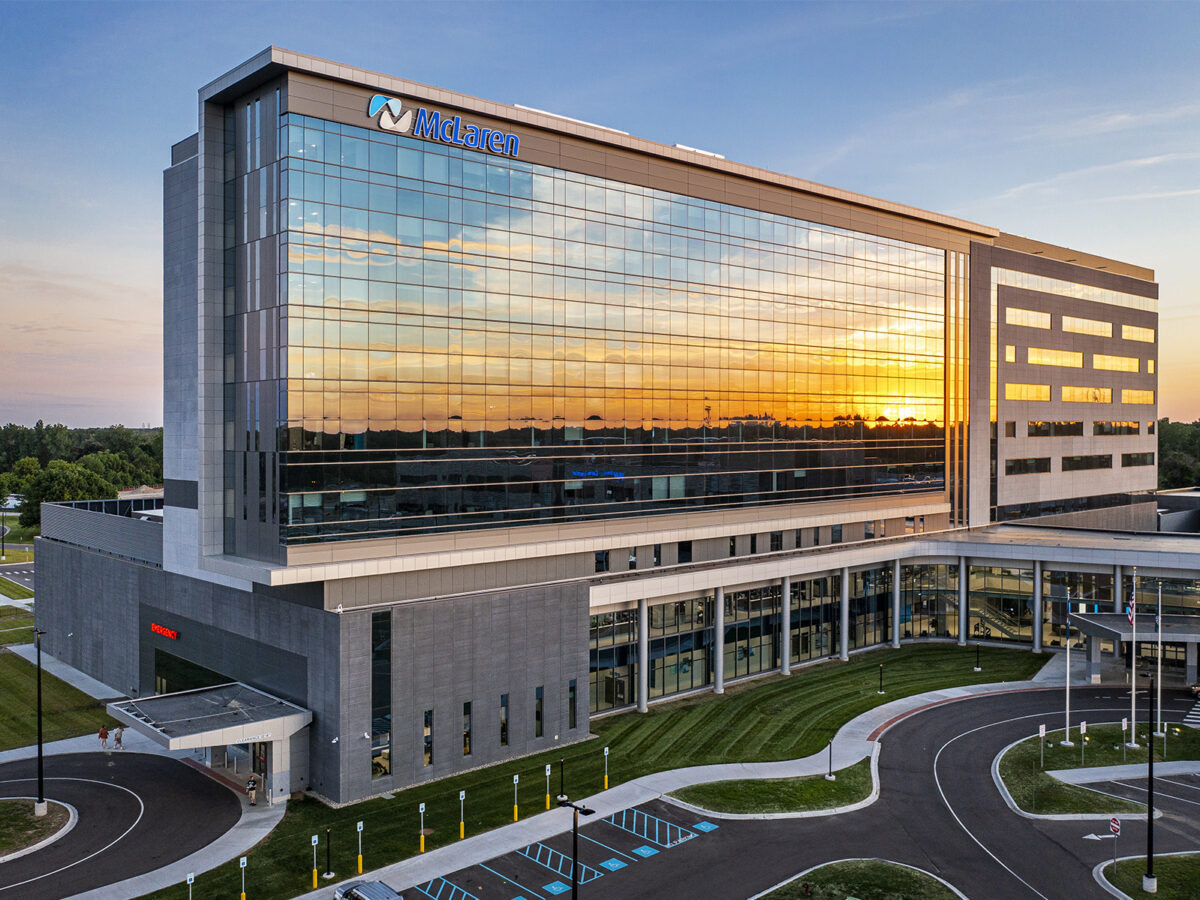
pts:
[72, 819]
[798, 814]
[893, 862]
[1098, 871]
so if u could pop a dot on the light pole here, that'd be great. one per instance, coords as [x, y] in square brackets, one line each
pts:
[1149, 882]
[1161, 731]
[39, 808]
[567, 804]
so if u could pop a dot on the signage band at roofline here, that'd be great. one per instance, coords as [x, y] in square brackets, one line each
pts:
[431, 125]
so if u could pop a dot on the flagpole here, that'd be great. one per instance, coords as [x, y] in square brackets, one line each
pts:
[1067, 714]
[1132, 616]
[1161, 732]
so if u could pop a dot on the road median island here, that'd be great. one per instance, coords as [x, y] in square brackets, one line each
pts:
[863, 879]
[1178, 876]
[1036, 792]
[806, 793]
[20, 828]
[766, 719]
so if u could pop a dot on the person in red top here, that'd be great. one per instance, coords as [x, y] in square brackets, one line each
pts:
[103, 738]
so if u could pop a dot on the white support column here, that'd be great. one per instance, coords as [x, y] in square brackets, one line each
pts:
[895, 603]
[719, 642]
[785, 624]
[845, 636]
[962, 601]
[1037, 606]
[643, 678]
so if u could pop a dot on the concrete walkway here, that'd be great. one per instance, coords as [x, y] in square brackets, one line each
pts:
[64, 672]
[1098, 774]
[854, 741]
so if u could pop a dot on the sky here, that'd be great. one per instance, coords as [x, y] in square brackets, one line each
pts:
[1074, 123]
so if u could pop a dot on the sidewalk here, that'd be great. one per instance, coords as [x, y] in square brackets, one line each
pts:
[64, 672]
[854, 741]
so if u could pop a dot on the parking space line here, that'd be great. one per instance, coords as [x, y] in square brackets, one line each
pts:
[558, 863]
[1190, 787]
[510, 881]
[1158, 794]
[605, 846]
[651, 828]
[441, 885]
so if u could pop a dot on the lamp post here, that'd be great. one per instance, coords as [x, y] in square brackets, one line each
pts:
[567, 804]
[39, 808]
[1149, 882]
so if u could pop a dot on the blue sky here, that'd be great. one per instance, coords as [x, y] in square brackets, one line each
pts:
[1075, 123]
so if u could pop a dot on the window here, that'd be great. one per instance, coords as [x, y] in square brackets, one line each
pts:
[1029, 466]
[1010, 429]
[733, 546]
[1137, 459]
[538, 701]
[381, 694]
[1014, 391]
[1076, 325]
[1107, 428]
[835, 534]
[429, 737]
[504, 720]
[1150, 366]
[1137, 333]
[1079, 463]
[658, 554]
[632, 557]
[1055, 429]
[1074, 394]
[1010, 353]
[466, 729]
[799, 538]
[685, 551]
[1149, 428]
[753, 543]
[601, 560]
[1115, 363]
[571, 703]
[1041, 356]
[776, 541]
[1014, 315]
[817, 536]
[1133, 396]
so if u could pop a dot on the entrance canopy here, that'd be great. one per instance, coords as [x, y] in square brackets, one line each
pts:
[1115, 626]
[232, 713]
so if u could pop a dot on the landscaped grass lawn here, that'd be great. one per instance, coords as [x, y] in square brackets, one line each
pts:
[16, 625]
[777, 795]
[1178, 877]
[17, 555]
[764, 719]
[20, 828]
[66, 712]
[1036, 792]
[865, 879]
[13, 590]
[18, 533]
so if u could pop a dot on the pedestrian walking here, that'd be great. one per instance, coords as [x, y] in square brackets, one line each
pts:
[103, 738]
[119, 737]
[252, 790]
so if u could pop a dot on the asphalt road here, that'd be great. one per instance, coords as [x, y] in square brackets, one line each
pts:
[938, 810]
[21, 573]
[137, 812]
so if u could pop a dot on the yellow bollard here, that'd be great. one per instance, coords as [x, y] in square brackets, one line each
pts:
[514, 812]
[547, 801]
[360, 864]
[243, 895]
[422, 843]
[606, 781]
[462, 829]
[314, 882]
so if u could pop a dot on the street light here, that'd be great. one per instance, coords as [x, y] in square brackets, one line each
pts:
[1149, 882]
[567, 804]
[39, 808]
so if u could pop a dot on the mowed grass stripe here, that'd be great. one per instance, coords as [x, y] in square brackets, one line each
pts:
[768, 718]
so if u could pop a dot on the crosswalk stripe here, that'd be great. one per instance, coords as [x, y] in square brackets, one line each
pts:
[1193, 717]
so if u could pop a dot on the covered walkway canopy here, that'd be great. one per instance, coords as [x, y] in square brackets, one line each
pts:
[228, 714]
[1116, 627]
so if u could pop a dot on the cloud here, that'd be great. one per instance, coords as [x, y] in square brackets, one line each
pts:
[1156, 195]
[1110, 122]
[1125, 165]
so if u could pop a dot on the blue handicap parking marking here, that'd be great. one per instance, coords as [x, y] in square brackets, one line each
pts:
[705, 826]
[612, 864]
[644, 851]
[556, 887]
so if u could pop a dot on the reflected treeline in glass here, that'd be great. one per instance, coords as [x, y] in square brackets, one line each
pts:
[473, 340]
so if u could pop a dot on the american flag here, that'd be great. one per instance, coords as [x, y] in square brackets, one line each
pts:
[1129, 611]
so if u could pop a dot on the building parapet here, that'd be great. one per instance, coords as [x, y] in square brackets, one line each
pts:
[124, 528]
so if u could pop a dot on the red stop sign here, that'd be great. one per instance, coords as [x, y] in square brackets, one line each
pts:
[1114, 825]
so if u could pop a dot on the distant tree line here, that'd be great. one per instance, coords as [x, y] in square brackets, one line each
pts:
[1178, 454]
[52, 463]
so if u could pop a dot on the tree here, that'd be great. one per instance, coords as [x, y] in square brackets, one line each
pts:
[62, 481]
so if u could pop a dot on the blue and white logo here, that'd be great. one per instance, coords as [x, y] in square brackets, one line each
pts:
[432, 125]
[392, 115]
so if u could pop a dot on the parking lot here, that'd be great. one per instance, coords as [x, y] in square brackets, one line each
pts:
[620, 849]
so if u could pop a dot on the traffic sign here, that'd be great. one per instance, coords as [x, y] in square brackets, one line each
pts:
[462, 795]
[191, 878]
[360, 826]
[421, 808]
[1042, 730]
[242, 862]
[516, 779]
[1114, 825]
[314, 840]
[1083, 727]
